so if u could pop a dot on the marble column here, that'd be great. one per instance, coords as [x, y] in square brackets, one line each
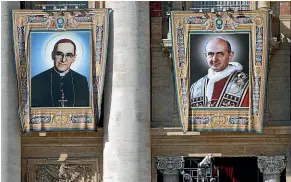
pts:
[10, 124]
[261, 6]
[127, 149]
[288, 165]
[271, 167]
[170, 167]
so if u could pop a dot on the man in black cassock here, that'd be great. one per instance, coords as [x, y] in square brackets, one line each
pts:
[60, 86]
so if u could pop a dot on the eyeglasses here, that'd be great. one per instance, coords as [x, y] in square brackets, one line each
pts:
[61, 55]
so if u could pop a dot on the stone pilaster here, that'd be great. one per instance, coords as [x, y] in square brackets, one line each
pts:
[10, 124]
[170, 167]
[271, 167]
[266, 5]
[127, 148]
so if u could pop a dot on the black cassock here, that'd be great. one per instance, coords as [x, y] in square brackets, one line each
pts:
[49, 89]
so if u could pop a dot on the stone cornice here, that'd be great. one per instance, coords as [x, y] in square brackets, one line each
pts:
[285, 17]
[163, 137]
[170, 131]
[273, 130]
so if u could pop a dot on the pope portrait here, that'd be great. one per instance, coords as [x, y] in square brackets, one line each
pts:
[225, 85]
[60, 86]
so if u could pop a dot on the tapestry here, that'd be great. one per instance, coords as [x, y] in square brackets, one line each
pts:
[220, 69]
[60, 61]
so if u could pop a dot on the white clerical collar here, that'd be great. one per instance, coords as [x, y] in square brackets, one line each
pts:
[63, 73]
[214, 76]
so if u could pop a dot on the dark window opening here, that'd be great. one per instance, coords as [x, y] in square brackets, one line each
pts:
[217, 5]
[50, 5]
[238, 169]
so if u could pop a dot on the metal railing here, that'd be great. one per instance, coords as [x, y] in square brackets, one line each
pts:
[199, 175]
[61, 5]
[202, 6]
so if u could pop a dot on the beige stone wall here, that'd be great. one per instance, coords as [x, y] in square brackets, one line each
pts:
[76, 144]
[164, 142]
[279, 88]
[164, 107]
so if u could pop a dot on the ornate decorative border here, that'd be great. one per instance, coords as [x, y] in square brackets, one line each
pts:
[61, 169]
[54, 118]
[221, 119]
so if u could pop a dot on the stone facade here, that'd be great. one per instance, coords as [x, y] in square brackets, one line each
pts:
[164, 107]
[10, 126]
[166, 138]
[127, 94]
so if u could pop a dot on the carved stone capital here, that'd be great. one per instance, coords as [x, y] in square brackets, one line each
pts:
[170, 164]
[271, 165]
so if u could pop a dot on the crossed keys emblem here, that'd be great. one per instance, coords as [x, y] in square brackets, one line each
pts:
[61, 118]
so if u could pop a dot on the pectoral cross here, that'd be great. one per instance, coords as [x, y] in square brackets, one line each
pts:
[62, 101]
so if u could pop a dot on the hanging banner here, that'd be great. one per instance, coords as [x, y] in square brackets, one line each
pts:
[220, 61]
[60, 64]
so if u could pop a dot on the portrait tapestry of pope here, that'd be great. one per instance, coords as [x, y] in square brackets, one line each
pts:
[225, 84]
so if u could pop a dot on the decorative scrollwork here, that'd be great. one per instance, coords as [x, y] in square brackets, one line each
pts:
[219, 21]
[271, 165]
[170, 164]
[63, 172]
[60, 20]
